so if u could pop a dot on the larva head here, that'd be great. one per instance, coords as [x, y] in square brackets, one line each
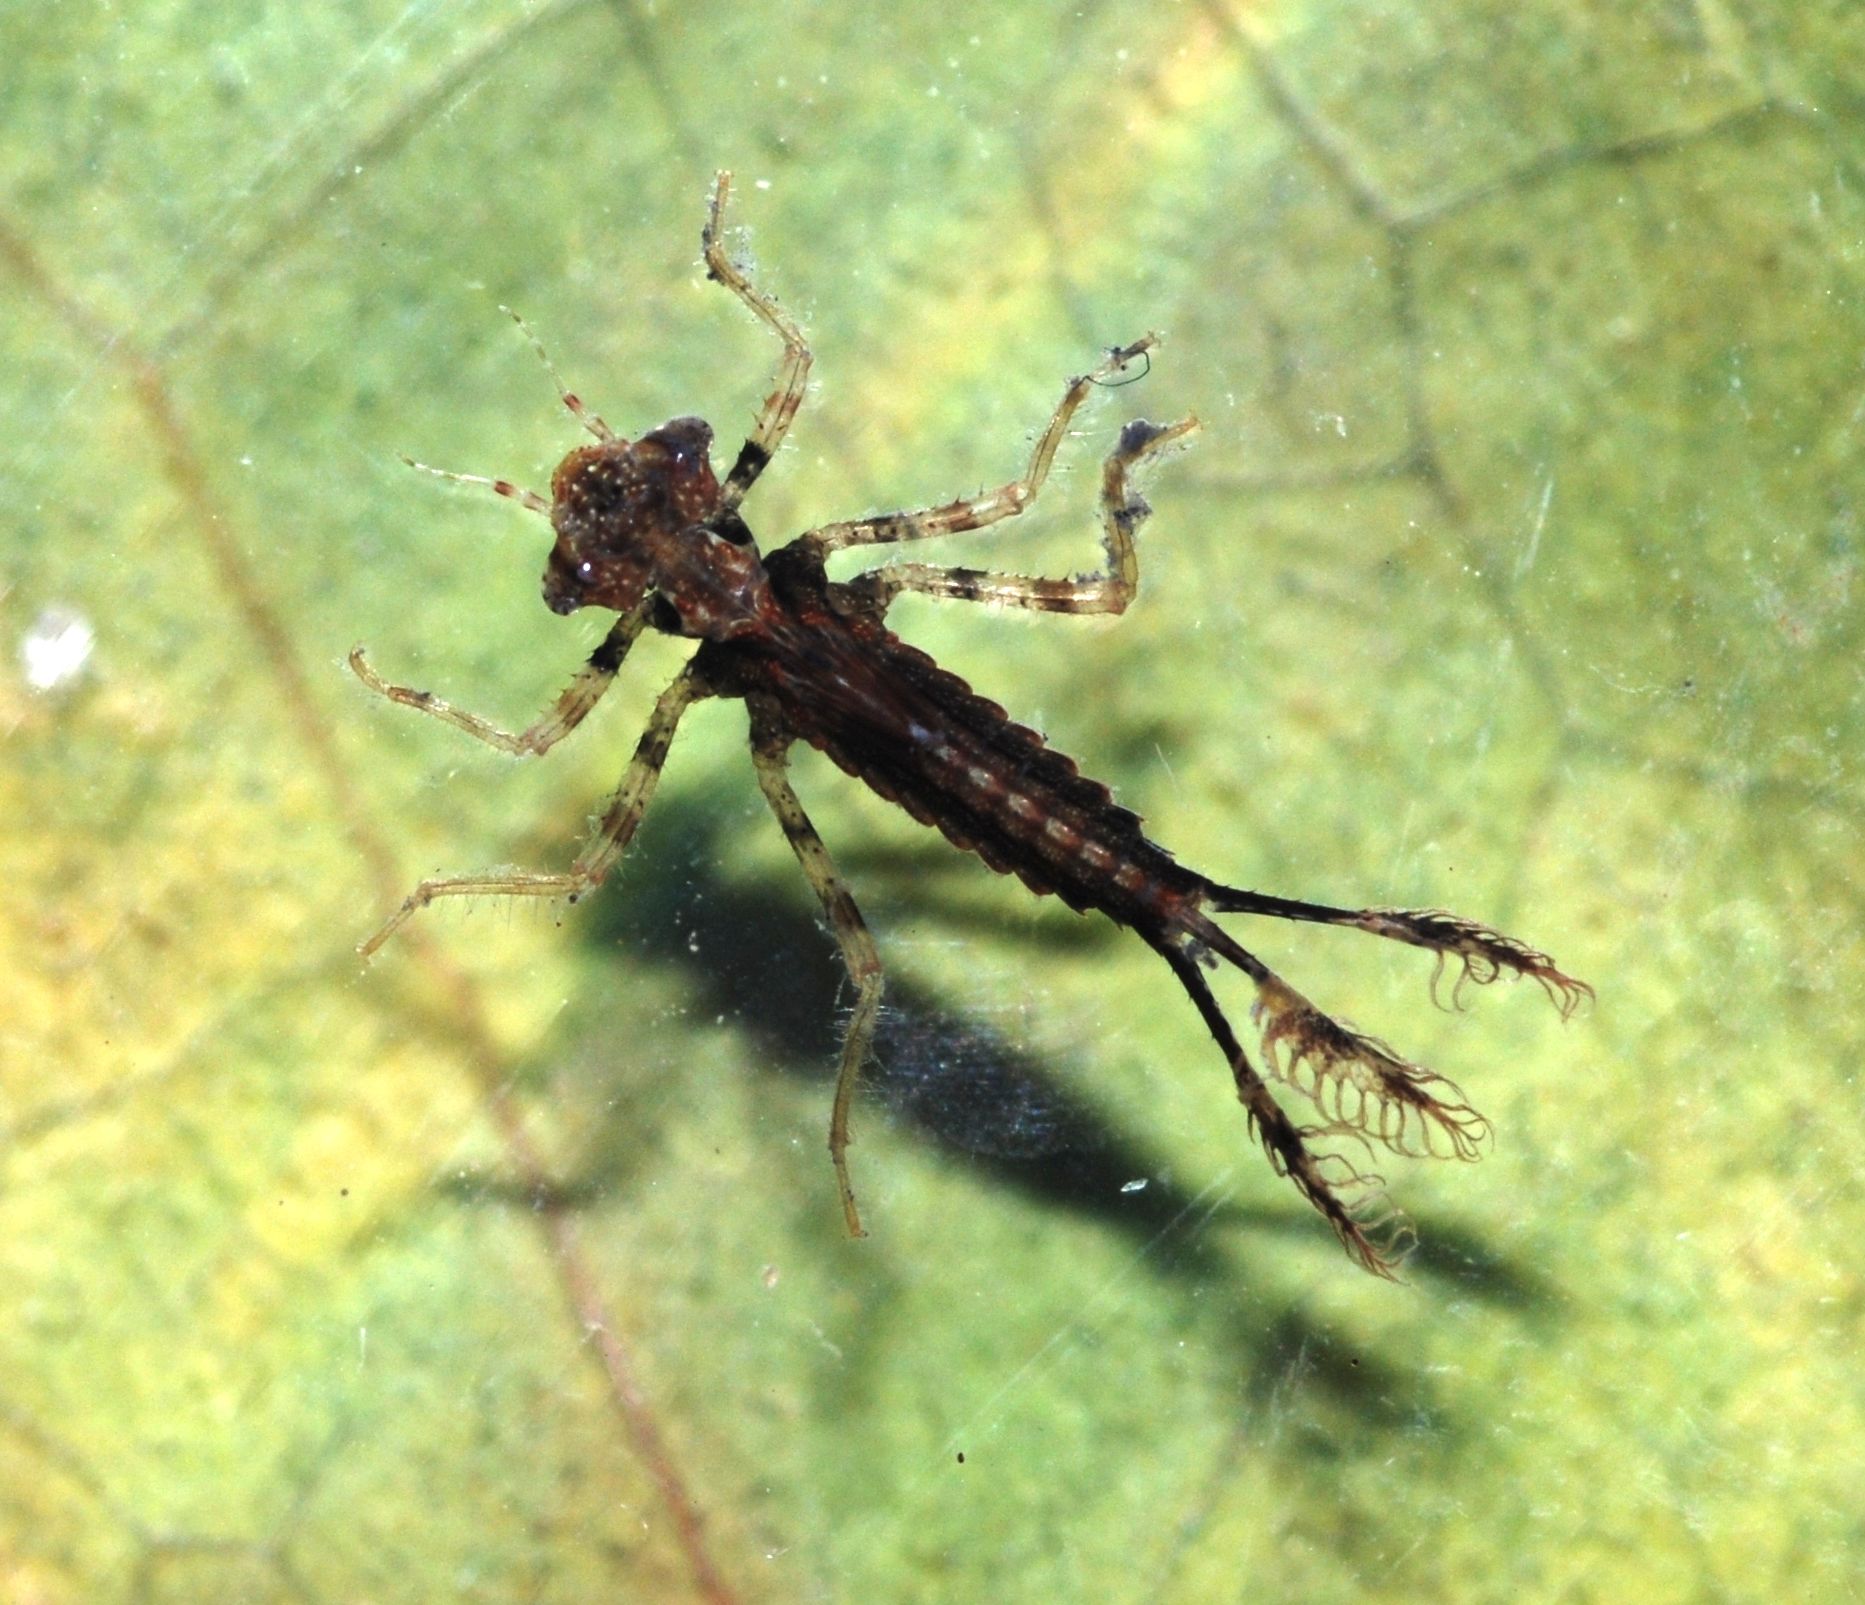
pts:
[618, 508]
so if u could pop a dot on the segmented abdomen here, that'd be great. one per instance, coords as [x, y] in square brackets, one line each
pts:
[920, 736]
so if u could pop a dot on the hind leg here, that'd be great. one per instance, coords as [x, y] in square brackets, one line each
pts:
[770, 743]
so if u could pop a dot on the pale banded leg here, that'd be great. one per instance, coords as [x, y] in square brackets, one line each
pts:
[769, 751]
[621, 816]
[990, 507]
[1123, 510]
[792, 373]
[563, 716]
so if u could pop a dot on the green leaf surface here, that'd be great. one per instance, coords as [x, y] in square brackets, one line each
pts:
[1516, 570]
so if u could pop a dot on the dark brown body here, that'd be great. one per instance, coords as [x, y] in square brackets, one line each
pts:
[644, 529]
[836, 677]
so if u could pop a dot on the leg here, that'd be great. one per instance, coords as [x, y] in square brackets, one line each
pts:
[769, 744]
[620, 819]
[564, 715]
[1122, 512]
[792, 374]
[993, 506]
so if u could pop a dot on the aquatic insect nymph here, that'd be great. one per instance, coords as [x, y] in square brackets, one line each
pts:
[646, 529]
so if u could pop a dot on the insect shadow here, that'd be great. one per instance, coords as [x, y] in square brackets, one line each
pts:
[755, 954]
[645, 529]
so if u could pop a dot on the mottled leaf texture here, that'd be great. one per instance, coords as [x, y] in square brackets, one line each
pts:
[1515, 571]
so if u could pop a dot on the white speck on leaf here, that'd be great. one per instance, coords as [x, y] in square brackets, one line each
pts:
[56, 648]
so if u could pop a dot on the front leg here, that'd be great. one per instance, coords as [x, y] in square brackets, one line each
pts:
[563, 716]
[770, 744]
[621, 817]
[792, 374]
